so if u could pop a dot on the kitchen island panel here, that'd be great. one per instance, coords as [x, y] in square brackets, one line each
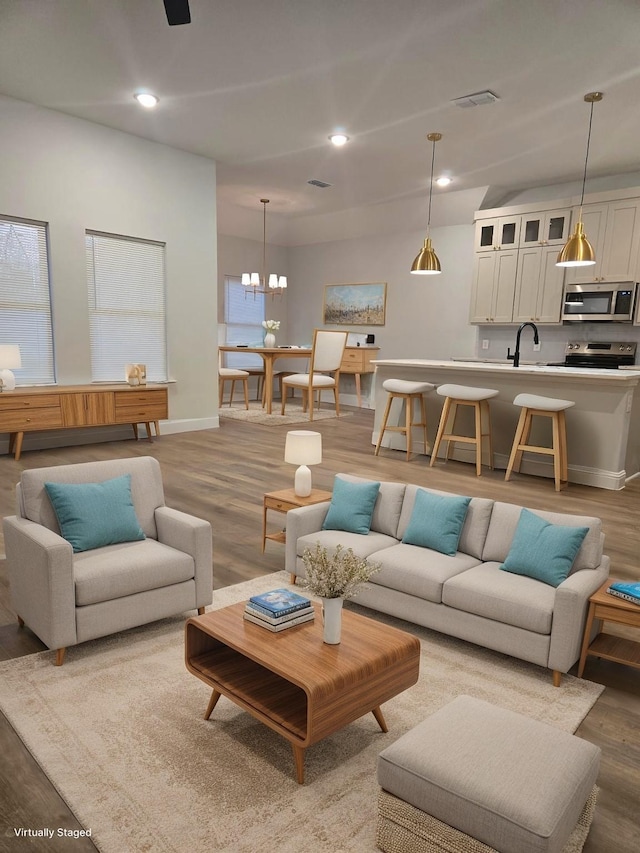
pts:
[603, 428]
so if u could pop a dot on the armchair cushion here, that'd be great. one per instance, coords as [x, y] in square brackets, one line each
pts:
[92, 515]
[116, 571]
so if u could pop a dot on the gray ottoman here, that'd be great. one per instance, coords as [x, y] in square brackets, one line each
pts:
[475, 777]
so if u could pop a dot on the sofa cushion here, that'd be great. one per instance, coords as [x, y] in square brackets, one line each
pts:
[351, 507]
[386, 512]
[362, 546]
[512, 599]
[474, 529]
[436, 521]
[119, 570]
[418, 571]
[542, 550]
[504, 520]
[92, 515]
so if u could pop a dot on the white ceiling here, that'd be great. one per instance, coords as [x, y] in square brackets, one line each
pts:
[258, 85]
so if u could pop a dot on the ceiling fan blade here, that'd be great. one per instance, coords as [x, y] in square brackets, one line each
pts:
[177, 12]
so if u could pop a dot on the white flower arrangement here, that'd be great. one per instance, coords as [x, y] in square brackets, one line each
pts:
[338, 575]
[271, 325]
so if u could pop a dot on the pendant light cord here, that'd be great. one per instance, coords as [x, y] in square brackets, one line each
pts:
[586, 159]
[264, 244]
[433, 157]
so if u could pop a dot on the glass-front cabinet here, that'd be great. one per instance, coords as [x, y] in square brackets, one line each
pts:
[550, 228]
[499, 233]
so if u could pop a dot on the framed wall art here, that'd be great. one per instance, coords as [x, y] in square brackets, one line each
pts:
[355, 304]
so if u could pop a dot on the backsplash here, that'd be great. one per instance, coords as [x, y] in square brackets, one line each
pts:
[553, 339]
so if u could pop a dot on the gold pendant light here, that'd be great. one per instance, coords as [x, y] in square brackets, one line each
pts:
[578, 251]
[426, 262]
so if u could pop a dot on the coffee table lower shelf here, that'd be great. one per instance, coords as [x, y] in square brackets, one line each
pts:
[294, 683]
[256, 689]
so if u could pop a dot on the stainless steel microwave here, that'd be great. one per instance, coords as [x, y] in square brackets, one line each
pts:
[600, 302]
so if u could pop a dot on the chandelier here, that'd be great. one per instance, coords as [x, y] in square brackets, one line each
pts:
[258, 281]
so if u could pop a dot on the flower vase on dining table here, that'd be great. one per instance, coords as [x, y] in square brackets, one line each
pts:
[269, 340]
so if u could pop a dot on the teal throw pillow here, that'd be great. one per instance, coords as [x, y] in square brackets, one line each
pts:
[91, 515]
[542, 550]
[436, 522]
[351, 507]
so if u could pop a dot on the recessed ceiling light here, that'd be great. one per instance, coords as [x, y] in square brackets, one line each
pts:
[443, 181]
[338, 139]
[146, 99]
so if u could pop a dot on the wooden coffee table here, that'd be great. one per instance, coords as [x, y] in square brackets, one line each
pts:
[294, 683]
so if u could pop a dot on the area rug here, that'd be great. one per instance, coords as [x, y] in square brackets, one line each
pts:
[255, 414]
[119, 730]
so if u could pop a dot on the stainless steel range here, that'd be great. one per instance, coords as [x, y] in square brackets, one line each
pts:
[599, 354]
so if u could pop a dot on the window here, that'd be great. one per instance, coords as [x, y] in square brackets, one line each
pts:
[126, 284]
[25, 299]
[243, 315]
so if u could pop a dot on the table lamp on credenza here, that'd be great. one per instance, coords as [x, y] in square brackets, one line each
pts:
[9, 358]
[303, 448]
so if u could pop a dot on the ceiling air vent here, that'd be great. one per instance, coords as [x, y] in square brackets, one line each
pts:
[479, 99]
[321, 184]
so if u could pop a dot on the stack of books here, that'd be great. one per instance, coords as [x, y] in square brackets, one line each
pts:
[628, 591]
[278, 609]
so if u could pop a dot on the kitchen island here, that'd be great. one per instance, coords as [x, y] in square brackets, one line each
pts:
[603, 428]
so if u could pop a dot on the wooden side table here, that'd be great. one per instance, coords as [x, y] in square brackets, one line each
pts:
[283, 501]
[604, 607]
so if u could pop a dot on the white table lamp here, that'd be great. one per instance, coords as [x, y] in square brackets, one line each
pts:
[303, 447]
[9, 357]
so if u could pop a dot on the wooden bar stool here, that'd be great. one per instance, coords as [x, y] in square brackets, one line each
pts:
[477, 399]
[546, 407]
[402, 389]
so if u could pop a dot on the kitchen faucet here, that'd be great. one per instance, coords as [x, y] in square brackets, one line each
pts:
[515, 358]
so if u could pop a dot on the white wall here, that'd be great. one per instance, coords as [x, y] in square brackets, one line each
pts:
[426, 317]
[76, 175]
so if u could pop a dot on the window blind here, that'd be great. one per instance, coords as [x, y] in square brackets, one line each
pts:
[243, 315]
[25, 299]
[127, 321]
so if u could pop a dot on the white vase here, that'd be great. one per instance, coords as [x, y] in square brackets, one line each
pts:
[331, 620]
[269, 339]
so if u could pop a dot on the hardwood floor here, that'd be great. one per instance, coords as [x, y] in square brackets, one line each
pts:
[221, 475]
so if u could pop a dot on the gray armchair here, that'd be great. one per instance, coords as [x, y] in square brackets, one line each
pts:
[67, 598]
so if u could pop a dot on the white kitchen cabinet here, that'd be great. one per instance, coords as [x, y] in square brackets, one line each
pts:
[613, 229]
[498, 233]
[539, 286]
[546, 228]
[494, 287]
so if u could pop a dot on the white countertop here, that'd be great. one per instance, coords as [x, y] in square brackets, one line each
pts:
[525, 368]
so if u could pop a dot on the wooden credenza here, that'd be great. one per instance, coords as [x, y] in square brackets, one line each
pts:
[357, 360]
[72, 406]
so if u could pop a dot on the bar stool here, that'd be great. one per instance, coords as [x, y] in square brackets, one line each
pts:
[402, 389]
[477, 399]
[546, 407]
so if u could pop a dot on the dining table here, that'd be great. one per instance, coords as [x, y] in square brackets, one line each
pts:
[269, 356]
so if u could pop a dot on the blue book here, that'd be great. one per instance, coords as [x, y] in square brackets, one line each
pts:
[628, 591]
[280, 602]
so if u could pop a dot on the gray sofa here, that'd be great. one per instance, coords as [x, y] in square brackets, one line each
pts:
[67, 598]
[467, 595]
